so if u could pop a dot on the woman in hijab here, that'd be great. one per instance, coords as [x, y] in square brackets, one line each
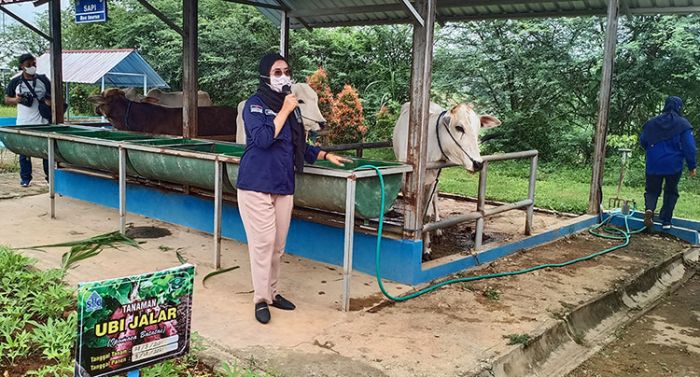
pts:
[275, 150]
[668, 141]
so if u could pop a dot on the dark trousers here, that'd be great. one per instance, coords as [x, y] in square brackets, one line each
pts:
[25, 168]
[653, 190]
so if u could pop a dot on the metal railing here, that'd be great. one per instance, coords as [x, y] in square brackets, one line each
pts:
[482, 212]
[357, 147]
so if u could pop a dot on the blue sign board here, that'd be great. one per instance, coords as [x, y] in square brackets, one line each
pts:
[87, 11]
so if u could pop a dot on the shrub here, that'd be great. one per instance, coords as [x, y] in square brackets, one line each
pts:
[320, 83]
[346, 125]
[383, 128]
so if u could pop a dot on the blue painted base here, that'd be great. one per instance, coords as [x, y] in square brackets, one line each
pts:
[678, 222]
[689, 235]
[491, 255]
[400, 259]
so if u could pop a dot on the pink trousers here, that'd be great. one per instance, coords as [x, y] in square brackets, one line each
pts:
[266, 219]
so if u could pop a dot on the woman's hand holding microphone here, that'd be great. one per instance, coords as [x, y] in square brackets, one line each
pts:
[290, 103]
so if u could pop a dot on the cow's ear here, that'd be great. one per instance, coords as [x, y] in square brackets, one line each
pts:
[488, 121]
[446, 119]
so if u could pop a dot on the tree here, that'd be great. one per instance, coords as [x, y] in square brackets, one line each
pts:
[535, 75]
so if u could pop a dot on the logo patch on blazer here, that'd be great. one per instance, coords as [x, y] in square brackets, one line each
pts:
[256, 109]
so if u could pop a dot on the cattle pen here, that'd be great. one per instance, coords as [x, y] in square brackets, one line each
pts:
[205, 203]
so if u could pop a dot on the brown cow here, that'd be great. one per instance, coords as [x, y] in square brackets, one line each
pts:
[127, 115]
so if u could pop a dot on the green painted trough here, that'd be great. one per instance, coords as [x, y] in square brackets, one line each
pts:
[192, 162]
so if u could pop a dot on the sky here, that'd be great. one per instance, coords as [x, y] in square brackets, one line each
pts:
[27, 11]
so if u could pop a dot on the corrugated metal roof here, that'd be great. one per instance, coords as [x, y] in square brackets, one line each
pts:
[119, 67]
[331, 13]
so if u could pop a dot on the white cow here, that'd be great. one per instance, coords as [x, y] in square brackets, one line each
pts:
[166, 99]
[308, 105]
[455, 139]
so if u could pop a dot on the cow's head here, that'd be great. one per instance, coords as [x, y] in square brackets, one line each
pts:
[132, 94]
[108, 101]
[459, 135]
[308, 105]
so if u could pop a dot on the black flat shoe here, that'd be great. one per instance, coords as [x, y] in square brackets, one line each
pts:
[262, 312]
[280, 302]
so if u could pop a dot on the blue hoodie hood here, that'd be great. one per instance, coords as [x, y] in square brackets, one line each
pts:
[668, 124]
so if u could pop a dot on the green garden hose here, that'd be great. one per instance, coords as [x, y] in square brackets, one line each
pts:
[602, 230]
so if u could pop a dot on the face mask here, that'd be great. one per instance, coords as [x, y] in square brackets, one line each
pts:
[277, 83]
[30, 70]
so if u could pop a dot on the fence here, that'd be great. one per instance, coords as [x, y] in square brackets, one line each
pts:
[482, 212]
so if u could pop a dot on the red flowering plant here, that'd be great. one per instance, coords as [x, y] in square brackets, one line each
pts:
[347, 121]
[320, 83]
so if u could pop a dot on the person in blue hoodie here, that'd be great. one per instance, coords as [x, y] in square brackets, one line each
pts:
[668, 142]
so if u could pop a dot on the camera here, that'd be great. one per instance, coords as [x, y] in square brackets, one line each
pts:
[26, 99]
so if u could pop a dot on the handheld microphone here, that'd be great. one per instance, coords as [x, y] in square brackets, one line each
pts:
[287, 89]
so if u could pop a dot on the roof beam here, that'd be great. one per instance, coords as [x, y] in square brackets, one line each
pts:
[259, 5]
[27, 24]
[475, 17]
[162, 17]
[399, 7]
[625, 7]
[288, 9]
[345, 10]
[413, 12]
[664, 10]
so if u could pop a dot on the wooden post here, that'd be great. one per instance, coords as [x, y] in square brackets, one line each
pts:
[189, 68]
[421, 79]
[284, 35]
[57, 95]
[595, 197]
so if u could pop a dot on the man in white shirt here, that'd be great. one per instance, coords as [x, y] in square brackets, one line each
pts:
[25, 91]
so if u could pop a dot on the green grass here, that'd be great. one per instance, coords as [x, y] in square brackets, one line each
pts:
[8, 111]
[561, 188]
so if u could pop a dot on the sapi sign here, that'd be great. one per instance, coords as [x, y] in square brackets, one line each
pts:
[87, 11]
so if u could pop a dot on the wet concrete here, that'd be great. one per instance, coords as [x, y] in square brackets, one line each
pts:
[663, 342]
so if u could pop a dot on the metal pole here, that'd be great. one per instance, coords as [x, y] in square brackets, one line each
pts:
[349, 234]
[122, 190]
[52, 175]
[145, 85]
[218, 184]
[56, 62]
[190, 12]
[68, 100]
[480, 206]
[284, 35]
[102, 91]
[531, 195]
